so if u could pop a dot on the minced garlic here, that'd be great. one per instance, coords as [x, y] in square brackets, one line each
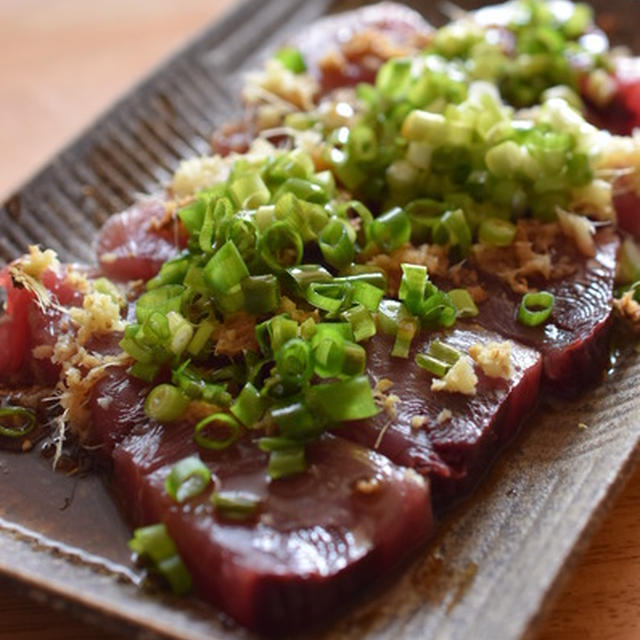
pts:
[494, 358]
[461, 378]
[444, 416]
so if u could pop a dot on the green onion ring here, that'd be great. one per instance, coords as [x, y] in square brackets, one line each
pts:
[12, 413]
[535, 308]
[223, 419]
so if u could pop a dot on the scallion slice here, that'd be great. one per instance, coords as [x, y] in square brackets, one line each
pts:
[261, 294]
[361, 321]
[235, 505]
[249, 406]
[188, 478]
[249, 191]
[335, 244]
[444, 352]
[295, 421]
[293, 361]
[496, 232]
[391, 230]
[463, 302]
[535, 308]
[165, 403]
[224, 274]
[281, 246]
[291, 59]
[350, 399]
[287, 462]
[16, 422]
[216, 422]
[431, 364]
[330, 296]
[153, 542]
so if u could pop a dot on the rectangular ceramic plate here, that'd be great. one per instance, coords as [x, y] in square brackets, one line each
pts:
[497, 557]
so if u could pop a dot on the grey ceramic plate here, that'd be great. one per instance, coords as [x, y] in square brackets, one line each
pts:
[497, 558]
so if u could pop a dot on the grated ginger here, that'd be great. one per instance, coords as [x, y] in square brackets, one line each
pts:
[494, 358]
[461, 378]
[99, 315]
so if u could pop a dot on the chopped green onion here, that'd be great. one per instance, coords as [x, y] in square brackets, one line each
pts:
[192, 215]
[293, 360]
[291, 59]
[154, 543]
[16, 422]
[463, 302]
[297, 279]
[161, 300]
[261, 294]
[165, 403]
[295, 421]
[367, 294]
[201, 337]
[104, 285]
[328, 354]
[145, 371]
[629, 261]
[249, 406]
[393, 77]
[181, 333]
[244, 233]
[431, 364]
[412, 286]
[235, 505]
[444, 352]
[277, 443]
[364, 273]
[335, 244]
[496, 232]
[176, 574]
[281, 246]
[391, 230]
[355, 359]
[224, 273]
[188, 478]
[272, 334]
[350, 399]
[404, 335]
[363, 143]
[331, 296]
[286, 462]
[218, 421]
[455, 225]
[249, 191]
[361, 321]
[302, 189]
[425, 127]
[191, 382]
[535, 308]
[390, 312]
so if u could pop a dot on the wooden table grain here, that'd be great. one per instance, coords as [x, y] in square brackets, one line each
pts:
[61, 63]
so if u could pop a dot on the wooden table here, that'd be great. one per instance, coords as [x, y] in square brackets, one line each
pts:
[62, 62]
